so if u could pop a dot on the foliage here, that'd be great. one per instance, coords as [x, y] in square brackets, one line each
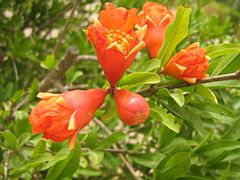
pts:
[192, 132]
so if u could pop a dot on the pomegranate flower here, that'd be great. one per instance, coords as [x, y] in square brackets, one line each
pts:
[189, 64]
[132, 108]
[157, 17]
[61, 116]
[115, 40]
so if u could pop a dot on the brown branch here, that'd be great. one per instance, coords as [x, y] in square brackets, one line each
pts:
[87, 58]
[57, 73]
[122, 157]
[152, 90]
[66, 26]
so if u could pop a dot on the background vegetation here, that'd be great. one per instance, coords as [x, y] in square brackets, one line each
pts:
[192, 133]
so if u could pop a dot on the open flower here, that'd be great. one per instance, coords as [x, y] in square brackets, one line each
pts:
[157, 17]
[189, 64]
[132, 108]
[115, 40]
[61, 116]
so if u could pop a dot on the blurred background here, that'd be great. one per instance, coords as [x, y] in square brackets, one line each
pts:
[34, 36]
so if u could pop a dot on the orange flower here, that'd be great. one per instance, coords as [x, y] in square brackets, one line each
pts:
[132, 108]
[157, 17]
[189, 64]
[61, 116]
[115, 40]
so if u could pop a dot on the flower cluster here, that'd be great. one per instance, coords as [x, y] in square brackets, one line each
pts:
[117, 35]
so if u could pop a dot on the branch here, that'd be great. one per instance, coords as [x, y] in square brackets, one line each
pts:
[66, 26]
[122, 157]
[152, 90]
[56, 74]
[49, 22]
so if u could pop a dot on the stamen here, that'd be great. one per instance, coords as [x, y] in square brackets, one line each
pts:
[121, 40]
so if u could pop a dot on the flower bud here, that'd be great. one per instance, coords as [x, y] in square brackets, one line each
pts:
[132, 108]
[156, 17]
[189, 64]
[61, 116]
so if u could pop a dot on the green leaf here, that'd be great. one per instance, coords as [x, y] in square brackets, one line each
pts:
[110, 109]
[40, 147]
[10, 139]
[61, 155]
[223, 84]
[176, 95]
[176, 166]
[150, 65]
[33, 90]
[30, 163]
[91, 139]
[139, 78]
[1, 169]
[150, 160]
[90, 172]
[226, 173]
[66, 167]
[112, 139]
[23, 139]
[206, 92]
[214, 51]
[166, 118]
[219, 65]
[96, 156]
[49, 62]
[220, 145]
[175, 33]
[83, 162]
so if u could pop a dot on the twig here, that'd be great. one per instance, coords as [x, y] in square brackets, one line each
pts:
[48, 23]
[122, 157]
[7, 157]
[152, 90]
[86, 58]
[66, 26]
[15, 69]
[122, 151]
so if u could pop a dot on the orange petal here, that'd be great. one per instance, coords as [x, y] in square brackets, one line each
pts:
[181, 68]
[71, 124]
[190, 80]
[46, 95]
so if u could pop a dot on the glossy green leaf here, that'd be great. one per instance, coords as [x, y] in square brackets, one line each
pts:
[91, 139]
[206, 92]
[222, 63]
[61, 155]
[139, 78]
[166, 118]
[150, 160]
[150, 65]
[176, 95]
[40, 148]
[176, 166]
[214, 51]
[220, 145]
[30, 163]
[175, 33]
[10, 139]
[23, 139]
[33, 90]
[66, 167]
[49, 62]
